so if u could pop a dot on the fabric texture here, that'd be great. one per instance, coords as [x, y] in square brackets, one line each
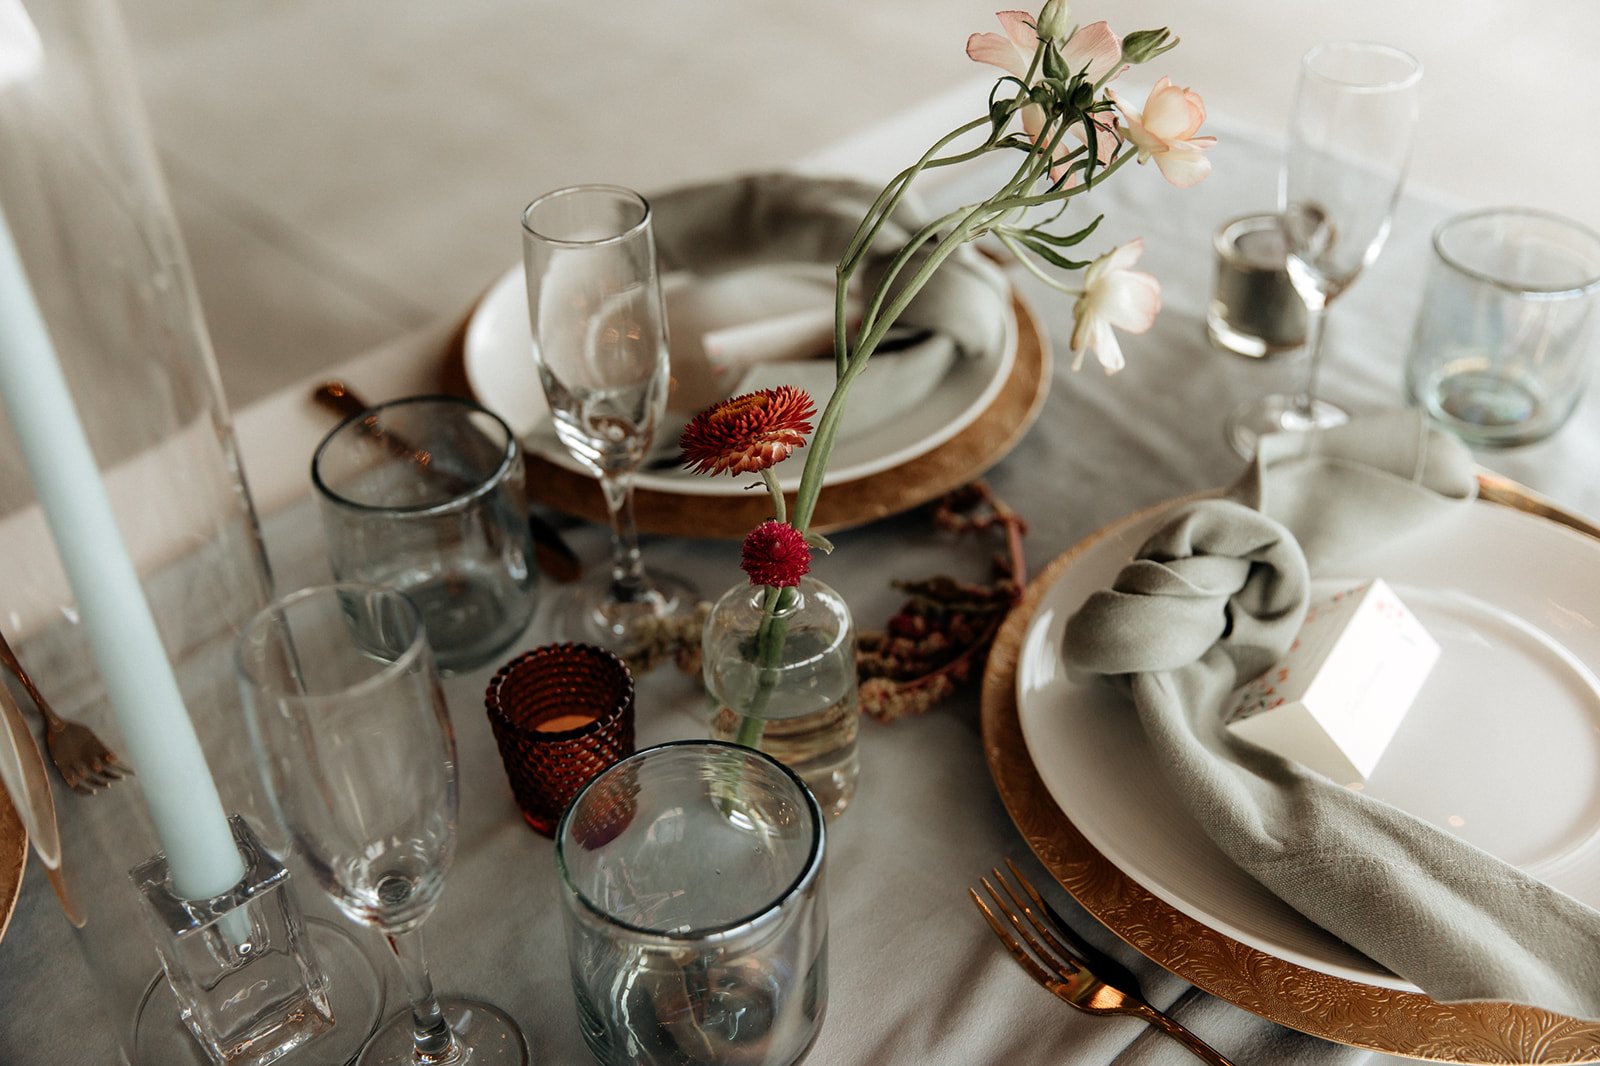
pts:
[1212, 599]
[782, 219]
[761, 250]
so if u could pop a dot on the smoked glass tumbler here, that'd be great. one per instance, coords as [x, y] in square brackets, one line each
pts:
[696, 918]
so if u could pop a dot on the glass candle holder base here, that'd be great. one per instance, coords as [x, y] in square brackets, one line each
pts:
[240, 965]
[356, 995]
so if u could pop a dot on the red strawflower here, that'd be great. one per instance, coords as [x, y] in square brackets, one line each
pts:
[775, 553]
[748, 433]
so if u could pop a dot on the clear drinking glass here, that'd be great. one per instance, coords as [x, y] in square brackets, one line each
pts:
[600, 343]
[696, 917]
[426, 494]
[1503, 346]
[352, 737]
[1350, 134]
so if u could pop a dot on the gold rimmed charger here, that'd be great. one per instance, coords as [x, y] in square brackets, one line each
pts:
[1333, 1008]
[13, 858]
[965, 456]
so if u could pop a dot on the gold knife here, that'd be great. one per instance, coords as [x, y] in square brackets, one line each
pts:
[23, 773]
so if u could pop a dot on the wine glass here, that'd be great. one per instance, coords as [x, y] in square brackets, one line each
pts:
[1349, 144]
[600, 343]
[351, 735]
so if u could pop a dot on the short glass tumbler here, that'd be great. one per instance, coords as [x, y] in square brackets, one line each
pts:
[1501, 353]
[1254, 309]
[696, 917]
[426, 495]
[560, 714]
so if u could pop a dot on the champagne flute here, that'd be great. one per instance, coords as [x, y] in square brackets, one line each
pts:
[350, 732]
[1350, 135]
[600, 343]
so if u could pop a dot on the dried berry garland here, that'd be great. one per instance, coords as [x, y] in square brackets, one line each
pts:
[940, 637]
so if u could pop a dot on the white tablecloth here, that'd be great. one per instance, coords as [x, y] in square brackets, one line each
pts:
[915, 975]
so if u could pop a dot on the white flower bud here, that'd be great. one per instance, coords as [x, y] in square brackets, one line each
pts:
[1052, 22]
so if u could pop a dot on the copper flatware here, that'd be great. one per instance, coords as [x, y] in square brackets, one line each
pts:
[551, 551]
[1037, 939]
[82, 759]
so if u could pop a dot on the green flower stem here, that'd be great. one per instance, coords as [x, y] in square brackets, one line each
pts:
[872, 223]
[1060, 194]
[1033, 268]
[770, 637]
[778, 507]
[1024, 175]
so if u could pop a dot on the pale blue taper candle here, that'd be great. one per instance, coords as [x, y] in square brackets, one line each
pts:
[144, 694]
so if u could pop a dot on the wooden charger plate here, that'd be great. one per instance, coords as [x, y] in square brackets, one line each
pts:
[989, 438]
[1365, 1016]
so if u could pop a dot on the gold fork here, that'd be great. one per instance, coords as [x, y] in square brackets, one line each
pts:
[81, 758]
[1062, 970]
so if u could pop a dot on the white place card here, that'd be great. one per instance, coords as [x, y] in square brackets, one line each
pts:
[1337, 697]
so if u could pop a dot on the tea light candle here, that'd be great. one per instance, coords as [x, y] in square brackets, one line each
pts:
[122, 634]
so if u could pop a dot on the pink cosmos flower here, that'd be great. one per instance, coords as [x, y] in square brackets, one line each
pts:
[1113, 295]
[1093, 49]
[1165, 131]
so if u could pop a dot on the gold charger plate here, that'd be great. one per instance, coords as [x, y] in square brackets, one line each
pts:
[13, 858]
[989, 438]
[1347, 1012]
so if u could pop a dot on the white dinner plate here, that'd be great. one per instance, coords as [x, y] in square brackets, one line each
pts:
[934, 394]
[1501, 747]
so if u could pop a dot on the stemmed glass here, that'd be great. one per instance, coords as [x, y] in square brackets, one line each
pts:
[600, 343]
[350, 732]
[1349, 144]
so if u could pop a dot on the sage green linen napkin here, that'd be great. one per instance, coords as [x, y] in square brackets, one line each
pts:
[762, 249]
[778, 218]
[1213, 598]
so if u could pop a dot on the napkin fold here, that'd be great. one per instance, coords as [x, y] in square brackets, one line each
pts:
[1213, 598]
[767, 244]
[779, 218]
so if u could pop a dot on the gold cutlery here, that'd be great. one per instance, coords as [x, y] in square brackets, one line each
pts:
[81, 758]
[1066, 971]
[551, 551]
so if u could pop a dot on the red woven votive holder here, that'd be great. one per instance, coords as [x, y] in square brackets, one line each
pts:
[560, 713]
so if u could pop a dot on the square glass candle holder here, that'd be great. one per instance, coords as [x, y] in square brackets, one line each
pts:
[239, 964]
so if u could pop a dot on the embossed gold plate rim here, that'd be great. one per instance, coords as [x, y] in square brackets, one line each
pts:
[13, 858]
[1347, 1012]
[989, 438]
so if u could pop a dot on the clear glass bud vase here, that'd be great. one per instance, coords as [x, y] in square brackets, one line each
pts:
[801, 689]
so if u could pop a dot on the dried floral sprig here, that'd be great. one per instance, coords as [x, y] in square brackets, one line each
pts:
[940, 638]
[675, 637]
[775, 554]
[747, 434]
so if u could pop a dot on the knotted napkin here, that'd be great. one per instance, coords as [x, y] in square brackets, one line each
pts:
[1212, 599]
[762, 232]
